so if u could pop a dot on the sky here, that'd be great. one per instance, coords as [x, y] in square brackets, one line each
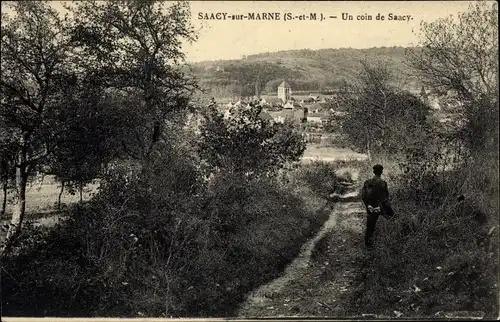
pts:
[232, 39]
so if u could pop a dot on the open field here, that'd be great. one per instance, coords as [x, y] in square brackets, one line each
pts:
[41, 198]
[316, 152]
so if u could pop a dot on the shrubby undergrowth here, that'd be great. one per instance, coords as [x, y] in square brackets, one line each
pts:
[441, 253]
[166, 240]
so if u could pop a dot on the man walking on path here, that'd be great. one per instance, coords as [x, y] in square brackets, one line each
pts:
[375, 196]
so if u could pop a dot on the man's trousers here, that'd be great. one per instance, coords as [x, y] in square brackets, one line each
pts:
[371, 222]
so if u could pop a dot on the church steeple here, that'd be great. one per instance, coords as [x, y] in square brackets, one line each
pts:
[284, 91]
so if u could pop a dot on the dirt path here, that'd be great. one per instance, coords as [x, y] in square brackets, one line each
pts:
[260, 297]
[323, 278]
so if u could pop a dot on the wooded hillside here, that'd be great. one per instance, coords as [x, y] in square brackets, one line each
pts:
[306, 70]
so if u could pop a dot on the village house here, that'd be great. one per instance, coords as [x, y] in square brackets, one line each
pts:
[316, 97]
[292, 105]
[277, 116]
[430, 98]
[308, 100]
[434, 103]
[318, 107]
[274, 102]
[227, 113]
[304, 99]
[318, 117]
[297, 115]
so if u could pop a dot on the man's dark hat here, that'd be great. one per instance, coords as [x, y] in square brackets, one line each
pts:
[378, 168]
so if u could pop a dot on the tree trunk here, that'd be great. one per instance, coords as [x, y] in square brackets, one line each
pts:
[4, 177]
[4, 203]
[80, 188]
[368, 152]
[19, 200]
[367, 137]
[60, 195]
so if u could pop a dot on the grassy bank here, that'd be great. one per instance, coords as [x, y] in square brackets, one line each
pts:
[441, 254]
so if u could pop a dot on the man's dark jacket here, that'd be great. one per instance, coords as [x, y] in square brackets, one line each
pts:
[376, 194]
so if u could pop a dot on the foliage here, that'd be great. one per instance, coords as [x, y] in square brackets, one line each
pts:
[440, 254]
[69, 81]
[94, 127]
[159, 248]
[380, 118]
[33, 74]
[305, 70]
[36, 67]
[244, 142]
[333, 123]
[460, 57]
[322, 178]
[132, 48]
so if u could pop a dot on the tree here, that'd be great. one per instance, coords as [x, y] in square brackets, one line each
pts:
[460, 57]
[34, 65]
[333, 123]
[132, 48]
[7, 161]
[254, 77]
[56, 105]
[246, 143]
[91, 143]
[380, 118]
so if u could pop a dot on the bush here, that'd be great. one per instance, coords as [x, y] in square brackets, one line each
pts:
[144, 246]
[259, 229]
[322, 178]
[51, 274]
[245, 142]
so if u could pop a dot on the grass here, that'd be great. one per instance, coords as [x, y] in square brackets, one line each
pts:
[41, 198]
[439, 255]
